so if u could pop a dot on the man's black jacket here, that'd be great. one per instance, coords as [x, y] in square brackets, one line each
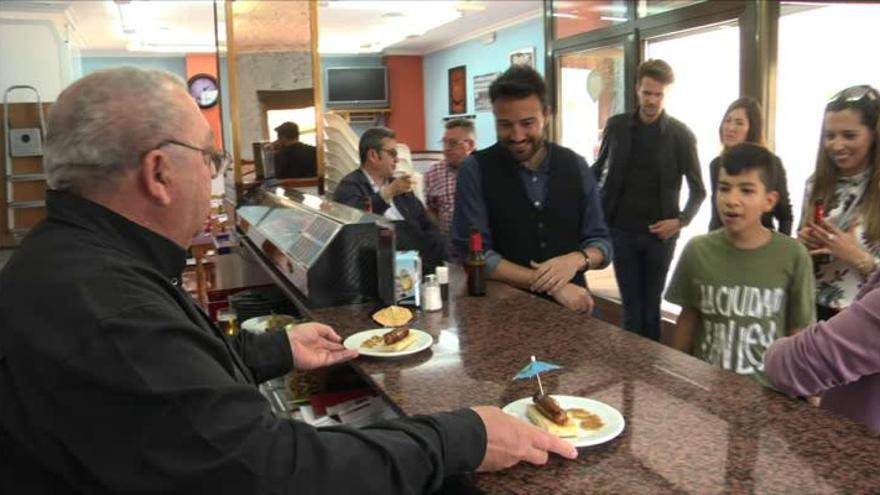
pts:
[677, 158]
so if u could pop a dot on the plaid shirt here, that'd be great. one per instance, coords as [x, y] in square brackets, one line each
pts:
[440, 193]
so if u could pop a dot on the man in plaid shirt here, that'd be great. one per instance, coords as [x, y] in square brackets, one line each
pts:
[458, 143]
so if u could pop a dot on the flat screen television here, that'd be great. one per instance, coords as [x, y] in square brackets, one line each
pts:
[352, 87]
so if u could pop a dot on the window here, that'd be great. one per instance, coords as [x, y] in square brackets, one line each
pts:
[576, 17]
[654, 7]
[813, 68]
[304, 118]
[591, 89]
[706, 65]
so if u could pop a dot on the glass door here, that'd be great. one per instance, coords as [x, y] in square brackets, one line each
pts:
[706, 65]
[591, 89]
[811, 70]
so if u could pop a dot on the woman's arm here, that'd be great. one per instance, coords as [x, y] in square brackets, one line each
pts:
[829, 354]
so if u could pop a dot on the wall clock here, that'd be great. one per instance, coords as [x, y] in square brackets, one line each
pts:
[204, 88]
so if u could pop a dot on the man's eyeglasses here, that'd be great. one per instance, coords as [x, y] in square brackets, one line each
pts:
[392, 152]
[218, 160]
[452, 143]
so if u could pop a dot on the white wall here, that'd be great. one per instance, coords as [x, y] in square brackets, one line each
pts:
[266, 71]
[36, 51]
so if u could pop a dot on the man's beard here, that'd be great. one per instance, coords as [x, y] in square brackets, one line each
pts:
[528, 148]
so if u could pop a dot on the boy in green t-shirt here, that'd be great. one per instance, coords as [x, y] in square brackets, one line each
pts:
[742, 286]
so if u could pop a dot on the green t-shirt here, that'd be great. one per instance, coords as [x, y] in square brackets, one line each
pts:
[747, 298]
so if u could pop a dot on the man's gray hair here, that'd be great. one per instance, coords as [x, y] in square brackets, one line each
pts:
[102, 125]
[371, 139]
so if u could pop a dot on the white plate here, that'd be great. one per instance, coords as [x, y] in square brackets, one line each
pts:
[423, 341]
[257, 324]
[612, 418]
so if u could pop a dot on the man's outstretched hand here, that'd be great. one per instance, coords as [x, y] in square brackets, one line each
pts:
[315, 345]
[510, 441]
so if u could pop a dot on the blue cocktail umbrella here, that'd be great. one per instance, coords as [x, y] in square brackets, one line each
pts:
[534, 369]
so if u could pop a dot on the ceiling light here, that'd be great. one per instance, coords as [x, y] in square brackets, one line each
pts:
[415, 18]
[613, 19]
[469, 6]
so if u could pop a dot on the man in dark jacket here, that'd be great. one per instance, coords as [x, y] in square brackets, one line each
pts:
[113, 381]
[374, 187]
[642, 160]
[293, 158]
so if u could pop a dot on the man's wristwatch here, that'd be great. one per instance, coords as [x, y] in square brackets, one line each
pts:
[586, 256]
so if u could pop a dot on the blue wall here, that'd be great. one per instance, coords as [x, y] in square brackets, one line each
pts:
[479, 59]
[175, 65]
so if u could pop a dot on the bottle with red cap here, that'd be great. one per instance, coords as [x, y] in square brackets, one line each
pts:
[475, 265]
[819, 219]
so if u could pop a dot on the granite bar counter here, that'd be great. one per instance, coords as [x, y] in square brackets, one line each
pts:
[690, 427]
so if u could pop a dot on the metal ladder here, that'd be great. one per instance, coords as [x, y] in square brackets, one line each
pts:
[11, 176]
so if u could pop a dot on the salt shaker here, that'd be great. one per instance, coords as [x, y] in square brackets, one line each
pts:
[442, 273]
[431, 300]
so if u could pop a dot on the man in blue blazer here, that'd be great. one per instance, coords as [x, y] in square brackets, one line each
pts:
[373, 187]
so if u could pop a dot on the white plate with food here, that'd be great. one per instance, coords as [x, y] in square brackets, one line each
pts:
[260, 324]
[589, 422]
[373, 343]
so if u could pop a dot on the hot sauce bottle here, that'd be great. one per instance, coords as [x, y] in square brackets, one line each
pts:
[475, 266]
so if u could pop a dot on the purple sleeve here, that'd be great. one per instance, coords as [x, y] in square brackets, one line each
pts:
[829, 354]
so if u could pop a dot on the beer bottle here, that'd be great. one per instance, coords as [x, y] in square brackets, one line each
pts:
[475, 265]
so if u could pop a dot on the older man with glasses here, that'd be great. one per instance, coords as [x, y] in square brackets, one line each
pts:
[113, 381]
[458, 144]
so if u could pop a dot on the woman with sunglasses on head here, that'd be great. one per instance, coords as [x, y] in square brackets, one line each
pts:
[743, 122]
[845, 187]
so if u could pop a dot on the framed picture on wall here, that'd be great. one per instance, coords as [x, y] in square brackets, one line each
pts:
[523, 56]
[481, 91]
[458, 90]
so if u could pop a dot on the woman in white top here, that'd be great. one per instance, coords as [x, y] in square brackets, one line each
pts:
[847, 184]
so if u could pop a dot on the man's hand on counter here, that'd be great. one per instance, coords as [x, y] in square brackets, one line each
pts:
[575, 298]
[555, 273]
[510, 440]
[315, 345]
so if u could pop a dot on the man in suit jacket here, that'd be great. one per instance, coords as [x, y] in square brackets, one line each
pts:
[373, 187]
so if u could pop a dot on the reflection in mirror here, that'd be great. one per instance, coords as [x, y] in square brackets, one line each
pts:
[271, 44]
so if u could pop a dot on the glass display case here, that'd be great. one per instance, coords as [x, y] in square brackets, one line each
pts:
[330, 253]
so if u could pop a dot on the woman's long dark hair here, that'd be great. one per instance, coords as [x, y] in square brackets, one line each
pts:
[753, 113]
[864, 100]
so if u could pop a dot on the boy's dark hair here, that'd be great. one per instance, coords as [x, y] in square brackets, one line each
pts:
[751, 156]
[466, 124]
[518, 82]
[657, 70]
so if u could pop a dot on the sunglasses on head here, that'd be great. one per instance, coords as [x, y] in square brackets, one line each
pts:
[857, 93]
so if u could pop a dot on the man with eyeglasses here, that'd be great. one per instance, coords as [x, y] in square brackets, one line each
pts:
[113, 381]
[458, 144]
[374, 187]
